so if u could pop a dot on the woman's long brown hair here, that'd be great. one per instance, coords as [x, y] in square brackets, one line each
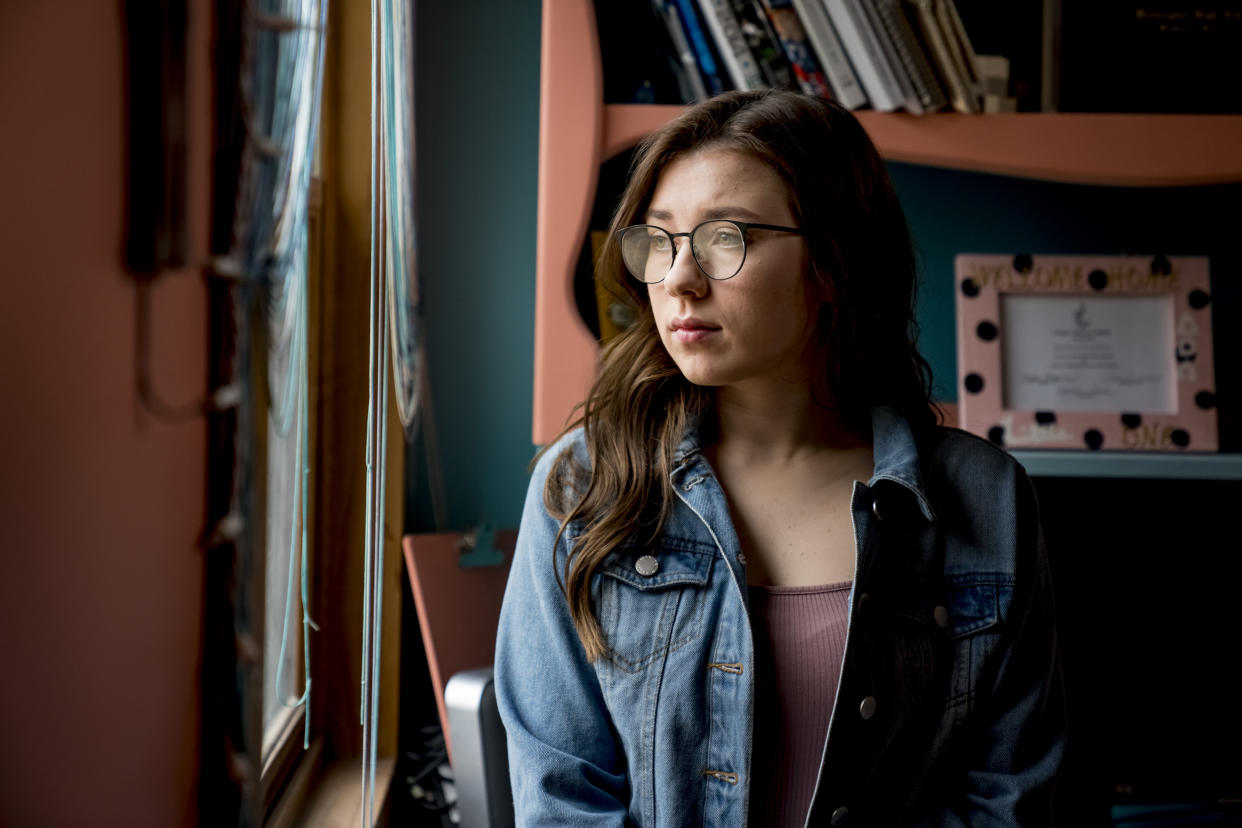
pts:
[641, 406]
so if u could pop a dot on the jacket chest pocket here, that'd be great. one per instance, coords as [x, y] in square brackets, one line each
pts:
[976, 612]
[651, 604]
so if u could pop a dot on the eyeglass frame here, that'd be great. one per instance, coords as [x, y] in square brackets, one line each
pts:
[744, 226]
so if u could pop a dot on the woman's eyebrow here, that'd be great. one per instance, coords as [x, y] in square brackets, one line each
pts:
[730, 212]
[726, 211]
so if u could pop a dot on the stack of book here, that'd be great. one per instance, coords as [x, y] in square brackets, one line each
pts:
[890, 55]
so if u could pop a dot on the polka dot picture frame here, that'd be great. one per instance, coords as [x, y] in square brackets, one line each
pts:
[1100, 353]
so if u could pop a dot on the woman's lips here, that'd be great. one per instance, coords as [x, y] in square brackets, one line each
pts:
[692, 330]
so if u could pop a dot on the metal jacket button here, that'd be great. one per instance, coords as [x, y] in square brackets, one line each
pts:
[876, 510]
[941, 614]
[647, 566]
[867, 708]
[840, 815]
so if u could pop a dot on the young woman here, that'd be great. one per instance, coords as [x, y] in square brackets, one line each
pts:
[756, 582]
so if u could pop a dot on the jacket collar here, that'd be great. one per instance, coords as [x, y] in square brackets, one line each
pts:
[897, 456]
[688, 447]
[893, 444]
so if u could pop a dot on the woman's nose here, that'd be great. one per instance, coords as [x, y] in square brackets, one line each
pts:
[685, 276]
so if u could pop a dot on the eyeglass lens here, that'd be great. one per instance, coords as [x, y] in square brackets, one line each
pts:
[718, 246]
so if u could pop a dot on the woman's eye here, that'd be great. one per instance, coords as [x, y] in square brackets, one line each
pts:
[728, 238]
[659, 241]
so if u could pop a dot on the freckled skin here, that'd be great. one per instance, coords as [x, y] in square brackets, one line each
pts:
[764, 311]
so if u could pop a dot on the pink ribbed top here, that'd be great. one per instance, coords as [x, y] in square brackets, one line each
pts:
[799, 645]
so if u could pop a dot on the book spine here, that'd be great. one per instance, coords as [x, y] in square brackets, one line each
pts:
[806, 68]
[1050, 58]
[702, 49]
[841, 76]
[864, 53]
[959, 46]
[892, 56]
[685, 53]
[912, 56]
[764, 44]
[960, 96]
[736, 55]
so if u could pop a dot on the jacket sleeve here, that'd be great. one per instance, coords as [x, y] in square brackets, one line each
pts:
[1017, 739]
[565, 763]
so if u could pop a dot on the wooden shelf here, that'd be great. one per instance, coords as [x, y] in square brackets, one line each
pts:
[1108, 150]
[1131, 464]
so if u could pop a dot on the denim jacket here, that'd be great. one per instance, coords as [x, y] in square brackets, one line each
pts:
[949, 709]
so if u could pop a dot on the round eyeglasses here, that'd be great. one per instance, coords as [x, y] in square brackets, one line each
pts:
[718, 246]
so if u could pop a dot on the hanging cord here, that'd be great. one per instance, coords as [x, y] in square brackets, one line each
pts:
[377, 578]
[289, 232]
[373, 558]
[222, 398]
[296, 416]
[170, 413]
[293, 536]
[300, 513]
[368, 736]
[280, 92]
[307, 622]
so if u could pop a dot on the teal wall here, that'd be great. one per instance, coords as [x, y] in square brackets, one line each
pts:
[477, 76]
[478, 110]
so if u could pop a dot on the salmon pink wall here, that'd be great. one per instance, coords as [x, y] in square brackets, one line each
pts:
[101, 504]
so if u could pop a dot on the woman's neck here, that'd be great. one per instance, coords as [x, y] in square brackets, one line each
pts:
[780, 424]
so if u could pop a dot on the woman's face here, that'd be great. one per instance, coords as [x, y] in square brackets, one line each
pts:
[750, 331]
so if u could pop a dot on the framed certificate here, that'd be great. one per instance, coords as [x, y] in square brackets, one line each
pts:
[1102, 353]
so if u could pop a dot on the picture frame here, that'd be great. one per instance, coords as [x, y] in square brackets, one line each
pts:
[1099, 353]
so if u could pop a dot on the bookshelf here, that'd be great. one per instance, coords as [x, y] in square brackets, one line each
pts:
[1131, 465]
[578, 132]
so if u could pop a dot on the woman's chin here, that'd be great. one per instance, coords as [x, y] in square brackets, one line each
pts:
[698, 374]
